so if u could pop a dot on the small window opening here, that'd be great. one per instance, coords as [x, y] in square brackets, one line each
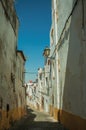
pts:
[7, 109]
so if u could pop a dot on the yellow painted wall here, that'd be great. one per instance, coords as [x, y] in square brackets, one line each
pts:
[72, 122]
[13, 115]
[69, 120]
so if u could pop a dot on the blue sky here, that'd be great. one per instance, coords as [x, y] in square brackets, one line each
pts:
[34, 29]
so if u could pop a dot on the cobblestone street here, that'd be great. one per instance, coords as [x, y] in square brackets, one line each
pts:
[35, 120]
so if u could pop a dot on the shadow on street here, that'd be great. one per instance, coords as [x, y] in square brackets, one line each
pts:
[29, 122]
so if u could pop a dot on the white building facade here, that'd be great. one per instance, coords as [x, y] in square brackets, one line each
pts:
[68, 39]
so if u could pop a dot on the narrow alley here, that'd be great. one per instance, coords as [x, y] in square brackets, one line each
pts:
[42, 64]
[35, 120]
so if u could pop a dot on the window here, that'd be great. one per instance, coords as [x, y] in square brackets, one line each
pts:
[7, 109]
[1, 103]
[48, 62]
[40, 76]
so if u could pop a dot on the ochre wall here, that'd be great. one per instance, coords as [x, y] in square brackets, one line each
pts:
[69, 120]
[7, 119]
[73, 122]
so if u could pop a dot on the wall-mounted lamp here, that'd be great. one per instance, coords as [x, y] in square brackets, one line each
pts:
[46, 53]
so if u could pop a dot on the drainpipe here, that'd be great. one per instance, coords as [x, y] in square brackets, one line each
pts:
[56, 60]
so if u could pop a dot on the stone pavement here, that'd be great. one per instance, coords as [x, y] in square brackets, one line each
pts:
[35, 120]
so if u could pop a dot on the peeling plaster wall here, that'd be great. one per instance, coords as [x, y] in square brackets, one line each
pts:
[9, 110]
[7, 56]
[53, 67]
[75, 80]
[72, 52]
[64, 9]
[63, 55]
[72, 64]
[46, 85]
[39, 88]
[20, 81]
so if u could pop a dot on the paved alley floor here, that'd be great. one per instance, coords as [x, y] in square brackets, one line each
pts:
[35, 120]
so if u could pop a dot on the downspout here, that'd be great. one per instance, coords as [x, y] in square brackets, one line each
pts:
[56, 58]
